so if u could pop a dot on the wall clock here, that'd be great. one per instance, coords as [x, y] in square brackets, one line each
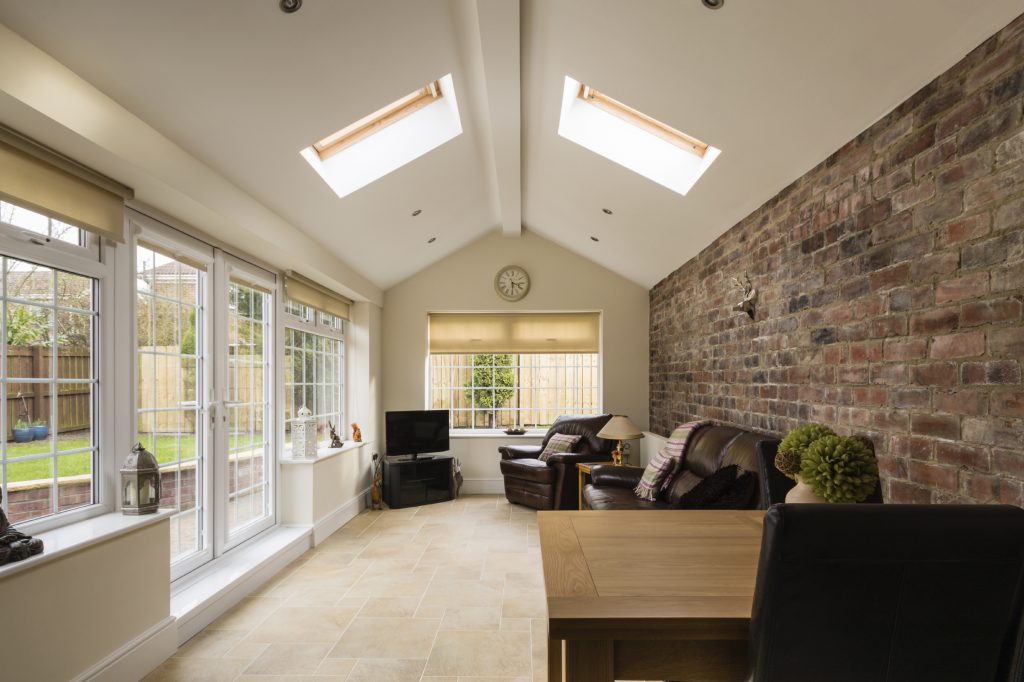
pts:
[512, 283]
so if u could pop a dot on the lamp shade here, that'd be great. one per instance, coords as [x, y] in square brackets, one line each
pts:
[620, 427]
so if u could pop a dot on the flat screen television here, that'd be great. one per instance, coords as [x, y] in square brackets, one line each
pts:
[415, 432]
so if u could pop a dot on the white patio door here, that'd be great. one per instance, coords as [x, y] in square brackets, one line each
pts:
[204, 389]
[243, 400]
[172, 380]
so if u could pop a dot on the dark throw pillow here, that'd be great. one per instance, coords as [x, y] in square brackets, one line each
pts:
[740, 495]
[704, 494]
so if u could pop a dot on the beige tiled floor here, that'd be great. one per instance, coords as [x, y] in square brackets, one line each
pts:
[449, 592]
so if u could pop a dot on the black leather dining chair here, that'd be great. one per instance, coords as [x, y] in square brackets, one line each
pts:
[893, 593]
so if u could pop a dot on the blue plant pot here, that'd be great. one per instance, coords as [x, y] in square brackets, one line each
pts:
[22, 435]
[40, 432]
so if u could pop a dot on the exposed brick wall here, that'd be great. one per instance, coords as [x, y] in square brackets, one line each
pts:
[891, 281]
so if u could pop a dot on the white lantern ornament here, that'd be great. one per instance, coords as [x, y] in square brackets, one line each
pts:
[304, 435]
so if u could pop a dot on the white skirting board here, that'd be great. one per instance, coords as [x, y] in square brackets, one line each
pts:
[483, 486]
[137, 658]
[323, 528]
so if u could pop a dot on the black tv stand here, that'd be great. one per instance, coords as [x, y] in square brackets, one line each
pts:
[411, 481]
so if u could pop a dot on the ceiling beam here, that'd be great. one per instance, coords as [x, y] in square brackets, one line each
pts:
[498, 21]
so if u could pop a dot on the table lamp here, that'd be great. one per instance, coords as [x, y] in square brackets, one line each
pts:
[619, 428]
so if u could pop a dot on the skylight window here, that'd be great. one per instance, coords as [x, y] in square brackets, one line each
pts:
[632, 139]
[387, 139]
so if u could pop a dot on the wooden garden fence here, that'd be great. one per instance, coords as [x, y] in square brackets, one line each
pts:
[74, 401]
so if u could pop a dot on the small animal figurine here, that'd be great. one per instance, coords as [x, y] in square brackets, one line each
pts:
[357, 435]
[749, 301]
[336, 442]
[378, 480]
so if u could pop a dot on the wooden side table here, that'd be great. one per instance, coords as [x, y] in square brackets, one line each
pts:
[584, 469]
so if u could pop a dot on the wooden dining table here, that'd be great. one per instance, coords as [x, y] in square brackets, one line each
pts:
[642, 595]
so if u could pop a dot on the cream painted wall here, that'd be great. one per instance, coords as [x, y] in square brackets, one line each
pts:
[63, 616]
[363, 371]
[560, 280]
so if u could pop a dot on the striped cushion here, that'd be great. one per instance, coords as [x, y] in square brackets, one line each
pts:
[559, 442]
[664, 466]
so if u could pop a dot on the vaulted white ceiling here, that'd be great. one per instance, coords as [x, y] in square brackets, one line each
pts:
[242, 88]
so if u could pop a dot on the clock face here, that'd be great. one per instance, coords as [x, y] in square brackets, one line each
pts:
[512, 283]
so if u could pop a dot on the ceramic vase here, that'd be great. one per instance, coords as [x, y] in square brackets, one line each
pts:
[802, 493]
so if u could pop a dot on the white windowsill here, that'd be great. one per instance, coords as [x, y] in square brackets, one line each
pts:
[533, 433]
[327, 453]
[77, 536]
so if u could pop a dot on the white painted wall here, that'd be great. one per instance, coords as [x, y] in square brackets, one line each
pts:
[560, 280]
[62, 618]
[363, 372]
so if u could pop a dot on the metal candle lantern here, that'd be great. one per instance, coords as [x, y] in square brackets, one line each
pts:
[304, 435]
[140, 482]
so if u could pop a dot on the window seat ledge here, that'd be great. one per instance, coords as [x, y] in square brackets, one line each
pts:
[500, 435]
[326, 453]
[77, 536]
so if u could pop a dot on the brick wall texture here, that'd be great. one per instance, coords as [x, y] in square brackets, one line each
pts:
[891, 281]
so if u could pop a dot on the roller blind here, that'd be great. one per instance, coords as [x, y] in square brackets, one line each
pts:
[515, 332]
[304, 291]
[43, 181]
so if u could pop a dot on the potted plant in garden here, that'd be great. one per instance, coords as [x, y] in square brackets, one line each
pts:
[40, 430]
[22, 431]
[825, 466]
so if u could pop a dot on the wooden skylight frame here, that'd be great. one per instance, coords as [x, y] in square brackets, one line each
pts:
[641, 120]
[378, 120]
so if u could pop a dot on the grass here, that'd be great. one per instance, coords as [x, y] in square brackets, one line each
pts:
[165, 448]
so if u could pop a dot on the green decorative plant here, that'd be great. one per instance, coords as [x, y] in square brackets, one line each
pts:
[39, 422]
[840, 469]
[795, 444]
[22, 424]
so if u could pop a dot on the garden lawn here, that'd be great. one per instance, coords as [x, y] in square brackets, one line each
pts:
[165, 447]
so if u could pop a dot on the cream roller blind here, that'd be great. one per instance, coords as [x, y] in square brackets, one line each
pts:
[307, 292]
[515, 332]
[42, 181]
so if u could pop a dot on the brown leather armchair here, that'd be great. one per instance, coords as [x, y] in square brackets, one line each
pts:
[554, 484]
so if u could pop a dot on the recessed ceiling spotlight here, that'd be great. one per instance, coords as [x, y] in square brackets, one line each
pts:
[607, 211]
[290, 6]
[594, 239]
[417, 212]
[713, 4]
[432, 240]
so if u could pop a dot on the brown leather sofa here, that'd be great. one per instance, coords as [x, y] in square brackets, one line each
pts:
[710, 449]
[554, 484]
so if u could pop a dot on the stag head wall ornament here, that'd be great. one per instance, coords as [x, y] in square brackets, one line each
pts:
[749, 302]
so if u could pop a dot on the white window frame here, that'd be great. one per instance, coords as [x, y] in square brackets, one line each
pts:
[97, 259]
[175, 242]
[226, 268]
[560, 409]
[317, 327]
[89, 249]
